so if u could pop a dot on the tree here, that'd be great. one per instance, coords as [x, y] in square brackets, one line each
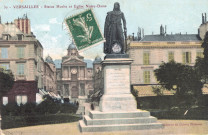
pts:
[181, 78]
[6, 81]
[6, 84]
[201, 64]
[205, 46]
[201, 67]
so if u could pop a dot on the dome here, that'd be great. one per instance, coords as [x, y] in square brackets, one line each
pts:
[72, 46]
[97, 59]
[49, 59]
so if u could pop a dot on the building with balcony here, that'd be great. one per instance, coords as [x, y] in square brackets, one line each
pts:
[49, 78]
[22, 53]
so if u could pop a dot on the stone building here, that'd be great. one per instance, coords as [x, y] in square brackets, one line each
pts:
[98, 79]
[149, 52]
[152, 50]
[49, 79]
[97, 74]
[74, 79]
[22, 53]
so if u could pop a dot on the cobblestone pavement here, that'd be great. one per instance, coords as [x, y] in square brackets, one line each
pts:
[181, 127]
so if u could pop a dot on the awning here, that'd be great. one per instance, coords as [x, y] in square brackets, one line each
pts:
[147, 90]
[43, 92]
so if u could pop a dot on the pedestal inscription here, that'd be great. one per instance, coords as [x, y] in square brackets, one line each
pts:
[117, 96]
[117, 79]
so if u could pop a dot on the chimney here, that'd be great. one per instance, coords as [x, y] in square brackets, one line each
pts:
[23, 24]
[161, 30]
[142, 32]
[165, 29]
[198, 32]
[205, 19]
[133, 36]
[139, 34]
[202, 18]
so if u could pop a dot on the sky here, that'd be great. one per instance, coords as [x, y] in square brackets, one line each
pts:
[48, 26]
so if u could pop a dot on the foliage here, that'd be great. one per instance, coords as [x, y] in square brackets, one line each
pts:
[68, 108]
[169, 101]
[196, 113]
[6, 81]
[205, 46]
[181, 78]
[10, 109]
[201, 64]
[201, 67]
[158, 90]
[48, 106]
[134, 92]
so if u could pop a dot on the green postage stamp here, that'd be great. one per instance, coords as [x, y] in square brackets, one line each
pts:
[84, 30]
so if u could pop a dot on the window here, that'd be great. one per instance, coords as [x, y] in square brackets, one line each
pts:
[19, 36]
[5, 100]
[199, 54]
[187, 57]
[4, 53]
[146, 60]
[20, 69]
[170, 56]
[6, 37]
[21, 99]
[4, 66]
[20, 52]
[146, 77]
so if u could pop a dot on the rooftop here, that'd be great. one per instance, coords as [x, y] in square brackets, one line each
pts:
[49, 59]
[97, 59]
[58, 63]
[72, 46]
[173, 38]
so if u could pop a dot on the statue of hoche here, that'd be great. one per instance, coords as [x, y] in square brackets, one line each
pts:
[113, 31]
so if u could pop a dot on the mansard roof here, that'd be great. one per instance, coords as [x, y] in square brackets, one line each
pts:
[172, 38]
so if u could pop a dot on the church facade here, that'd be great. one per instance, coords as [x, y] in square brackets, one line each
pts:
[74, 78]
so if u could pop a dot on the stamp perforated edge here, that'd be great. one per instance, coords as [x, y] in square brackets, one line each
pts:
[69, 32]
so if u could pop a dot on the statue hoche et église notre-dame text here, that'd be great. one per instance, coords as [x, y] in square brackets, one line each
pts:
[113, 31]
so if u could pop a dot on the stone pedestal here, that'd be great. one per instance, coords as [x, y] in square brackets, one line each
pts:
[117, 96]
[117, 108]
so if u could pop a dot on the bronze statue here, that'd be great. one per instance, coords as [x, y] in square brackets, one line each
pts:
[113, 31]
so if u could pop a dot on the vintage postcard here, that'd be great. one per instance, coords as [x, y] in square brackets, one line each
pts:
[103, 67]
